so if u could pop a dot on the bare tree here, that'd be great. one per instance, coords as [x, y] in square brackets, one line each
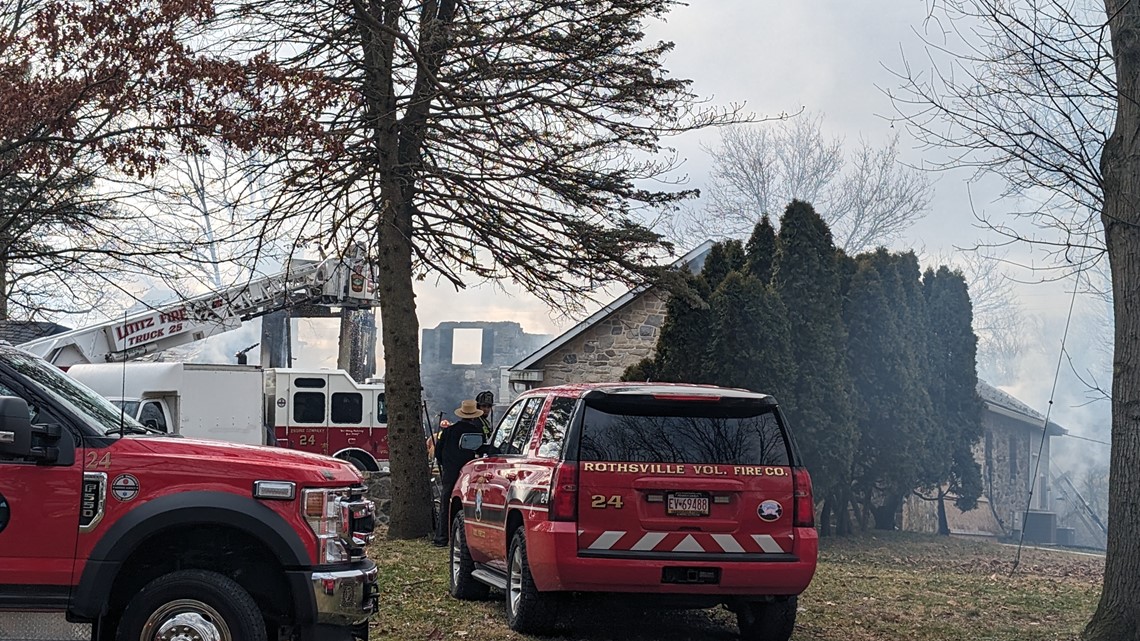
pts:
[1042, 93]
[95, 95]
[868, 200]
[490, 140]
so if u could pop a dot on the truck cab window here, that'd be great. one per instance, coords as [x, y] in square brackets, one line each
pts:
[347, 408]
[151, 415]
[381, 409]
[309, 407]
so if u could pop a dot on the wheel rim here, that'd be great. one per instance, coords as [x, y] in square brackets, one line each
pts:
[185, 620]
[516, 579]
[454, 548]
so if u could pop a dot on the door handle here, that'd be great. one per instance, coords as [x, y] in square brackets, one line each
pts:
[7, 437]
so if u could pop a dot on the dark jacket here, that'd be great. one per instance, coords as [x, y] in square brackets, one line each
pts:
[447, 453]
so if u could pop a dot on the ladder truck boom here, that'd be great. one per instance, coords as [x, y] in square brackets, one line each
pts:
[333, 282]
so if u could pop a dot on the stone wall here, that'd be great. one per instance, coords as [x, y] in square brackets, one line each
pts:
[1008, 454]
[446, 384]
[380, 491]
[602, 352]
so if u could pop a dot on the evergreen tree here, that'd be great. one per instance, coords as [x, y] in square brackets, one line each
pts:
[761, 250]
[723, 258]
[749, 338]
[642, 371]
[805, 277]
[684, 337]
[954, 382]
[893, 409]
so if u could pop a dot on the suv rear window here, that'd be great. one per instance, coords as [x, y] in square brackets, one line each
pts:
[674, 432]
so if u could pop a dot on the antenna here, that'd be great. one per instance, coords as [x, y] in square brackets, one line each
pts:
[123, 385]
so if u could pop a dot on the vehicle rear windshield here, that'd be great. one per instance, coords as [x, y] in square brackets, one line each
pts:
[672, 432]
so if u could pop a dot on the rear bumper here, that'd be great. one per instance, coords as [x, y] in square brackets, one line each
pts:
[552, 550]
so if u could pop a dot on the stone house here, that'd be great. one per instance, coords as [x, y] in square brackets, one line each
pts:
[1012, 478]
[485, 347]
[602, 346]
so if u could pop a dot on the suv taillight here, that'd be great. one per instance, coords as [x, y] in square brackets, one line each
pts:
[563, 505]
[803, 507]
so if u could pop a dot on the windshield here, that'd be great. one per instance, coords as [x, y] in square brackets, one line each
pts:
[81, 401]
[130, 407]
[674, 433]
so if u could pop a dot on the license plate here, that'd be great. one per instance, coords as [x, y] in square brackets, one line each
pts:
[687, 504]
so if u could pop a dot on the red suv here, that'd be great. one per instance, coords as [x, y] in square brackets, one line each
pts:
[693, 495]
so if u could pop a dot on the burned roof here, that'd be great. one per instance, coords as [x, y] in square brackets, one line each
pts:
[1009, 405]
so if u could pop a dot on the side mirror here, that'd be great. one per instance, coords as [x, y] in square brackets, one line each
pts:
[15, 427]
[470, 442]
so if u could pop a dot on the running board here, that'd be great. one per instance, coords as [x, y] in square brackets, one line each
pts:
[491, 578]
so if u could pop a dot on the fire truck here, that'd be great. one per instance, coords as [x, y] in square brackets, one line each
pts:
[111, 530]
[319, 411]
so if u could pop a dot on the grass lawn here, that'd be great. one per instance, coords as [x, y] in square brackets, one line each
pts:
[875, 587]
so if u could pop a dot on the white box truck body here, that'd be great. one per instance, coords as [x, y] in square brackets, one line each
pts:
[219, 402]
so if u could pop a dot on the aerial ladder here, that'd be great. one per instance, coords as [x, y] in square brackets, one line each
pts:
[333, 282]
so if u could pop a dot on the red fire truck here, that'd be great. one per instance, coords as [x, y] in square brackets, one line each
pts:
[122, 532]
[324, 412]
[685, 496]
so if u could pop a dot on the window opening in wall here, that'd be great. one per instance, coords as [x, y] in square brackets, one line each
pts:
[467, 346]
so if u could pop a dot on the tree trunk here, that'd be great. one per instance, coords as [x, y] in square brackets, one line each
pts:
[3, 282]
[943, 522]
[1118, 613]
[885, 515]
[825, 517]
[410, 515]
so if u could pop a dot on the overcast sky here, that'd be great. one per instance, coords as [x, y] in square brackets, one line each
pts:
[831, 58]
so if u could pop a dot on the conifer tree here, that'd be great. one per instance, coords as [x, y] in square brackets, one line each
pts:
[724, 258]
[954, 381]
[749, 338]
[684, 337]
[761, 250]
[805, 277]
[889, 397]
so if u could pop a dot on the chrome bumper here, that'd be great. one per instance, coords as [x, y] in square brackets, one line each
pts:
[347, 597]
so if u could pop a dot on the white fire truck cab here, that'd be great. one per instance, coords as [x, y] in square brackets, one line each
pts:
[313, 410]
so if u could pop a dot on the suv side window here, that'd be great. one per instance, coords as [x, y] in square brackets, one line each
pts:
[506, 425]
[524, 428]
[555, 426]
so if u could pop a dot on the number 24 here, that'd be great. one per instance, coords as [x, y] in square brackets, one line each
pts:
[601, 502]
[308, 439]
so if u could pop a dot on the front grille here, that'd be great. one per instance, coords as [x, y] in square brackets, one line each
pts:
[358, 522]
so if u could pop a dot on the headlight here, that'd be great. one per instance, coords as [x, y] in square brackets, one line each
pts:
[323, 513]
[343, 521]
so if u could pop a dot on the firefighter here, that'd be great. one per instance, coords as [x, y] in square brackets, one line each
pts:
[432, 440]
[485, 401]
[451, 458]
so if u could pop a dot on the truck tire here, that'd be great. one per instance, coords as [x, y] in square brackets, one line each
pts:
[461, 584]
[192, 604]
[528, 610]
[767, 621]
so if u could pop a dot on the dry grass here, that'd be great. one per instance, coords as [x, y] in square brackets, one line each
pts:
[892, 586]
